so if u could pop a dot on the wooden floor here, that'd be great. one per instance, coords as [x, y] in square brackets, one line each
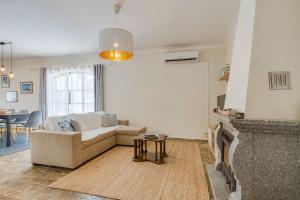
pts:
[20, 180]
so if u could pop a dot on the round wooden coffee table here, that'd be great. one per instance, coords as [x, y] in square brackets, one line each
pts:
[142, 154]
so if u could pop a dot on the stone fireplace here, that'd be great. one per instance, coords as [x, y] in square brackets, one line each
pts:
[225, 167]
[259, 159]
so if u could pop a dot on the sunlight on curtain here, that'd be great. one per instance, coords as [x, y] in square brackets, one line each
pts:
[70, 90]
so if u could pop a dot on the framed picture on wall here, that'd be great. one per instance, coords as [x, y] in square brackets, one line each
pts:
[26, 87]
[12, 96]
[5, 81]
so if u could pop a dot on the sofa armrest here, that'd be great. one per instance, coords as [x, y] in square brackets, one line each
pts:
[69, 133]
[56, 148]
[123, 122]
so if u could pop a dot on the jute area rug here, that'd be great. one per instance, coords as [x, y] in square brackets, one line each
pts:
[114, 175]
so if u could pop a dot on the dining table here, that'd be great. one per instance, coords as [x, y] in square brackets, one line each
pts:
[9, 119]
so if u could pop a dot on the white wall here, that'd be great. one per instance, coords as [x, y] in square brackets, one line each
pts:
[167, 98]
[24, 71]
[276, 47]
[240, 63]
[177, 99]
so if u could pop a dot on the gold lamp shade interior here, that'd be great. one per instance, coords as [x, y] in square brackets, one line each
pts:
[116, 55]
[115, 44]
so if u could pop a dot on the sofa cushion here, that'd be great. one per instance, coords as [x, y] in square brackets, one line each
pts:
[93, 136]
[75, 125]
[130, 130]
[51, 123]
[88, 121]
[65, 124]
[109, 119]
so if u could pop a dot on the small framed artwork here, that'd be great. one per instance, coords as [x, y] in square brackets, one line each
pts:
[5, 81]
[12, 96]
[279, 80]
[26, 87]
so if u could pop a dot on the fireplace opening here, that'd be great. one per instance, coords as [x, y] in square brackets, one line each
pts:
[226, 170]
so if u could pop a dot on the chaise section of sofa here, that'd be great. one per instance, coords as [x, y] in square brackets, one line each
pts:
[71, 149]
[126, 133]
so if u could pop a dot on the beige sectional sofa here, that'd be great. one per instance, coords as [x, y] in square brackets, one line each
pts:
[70, 149]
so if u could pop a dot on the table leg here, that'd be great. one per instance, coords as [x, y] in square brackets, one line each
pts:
[164, 154]
[142, 146]
[160, 152]
[135, 150]
[156, 151]
[146, 146]
[139, 148]
[8, 143]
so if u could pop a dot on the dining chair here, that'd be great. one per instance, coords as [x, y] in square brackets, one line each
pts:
[2, 131]
[20, 120]
[14, 122]
[3, 125]
[33, 121]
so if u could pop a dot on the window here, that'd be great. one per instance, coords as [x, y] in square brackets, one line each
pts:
[70, 90]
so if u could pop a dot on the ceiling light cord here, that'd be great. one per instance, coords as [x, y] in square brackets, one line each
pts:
[11, 57]
[116, 19]
[117, 8]
[2, 56]
[11, 74]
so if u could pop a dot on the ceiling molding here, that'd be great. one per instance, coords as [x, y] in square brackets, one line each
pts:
[181, 48]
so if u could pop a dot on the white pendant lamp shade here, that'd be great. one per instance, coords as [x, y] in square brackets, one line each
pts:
[115, 44]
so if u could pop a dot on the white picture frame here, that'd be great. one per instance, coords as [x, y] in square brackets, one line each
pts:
[11, 96]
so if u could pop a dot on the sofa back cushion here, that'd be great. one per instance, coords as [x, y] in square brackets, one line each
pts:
[53, 123]
[87, 121]
[65, 124]
[75, 125]
[109, 120]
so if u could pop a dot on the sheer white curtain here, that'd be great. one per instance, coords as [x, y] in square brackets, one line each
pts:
[70, 90]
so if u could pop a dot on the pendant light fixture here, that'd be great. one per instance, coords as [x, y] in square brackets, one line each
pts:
[2, 69]
[11, 74]
[116, 44]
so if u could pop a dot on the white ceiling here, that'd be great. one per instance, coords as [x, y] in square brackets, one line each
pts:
[41, 28]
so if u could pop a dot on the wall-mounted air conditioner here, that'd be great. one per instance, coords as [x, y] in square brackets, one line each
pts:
[181, 57]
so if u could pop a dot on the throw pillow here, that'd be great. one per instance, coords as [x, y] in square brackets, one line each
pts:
[109, 119]
[65, 124]
[76, 126]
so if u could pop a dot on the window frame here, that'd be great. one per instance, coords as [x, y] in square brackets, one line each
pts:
[67, 91]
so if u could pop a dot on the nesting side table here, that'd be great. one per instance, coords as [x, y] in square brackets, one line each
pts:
[141, 152]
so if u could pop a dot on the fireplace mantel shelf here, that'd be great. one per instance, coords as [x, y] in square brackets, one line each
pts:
[261, 125]
[269, 126]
